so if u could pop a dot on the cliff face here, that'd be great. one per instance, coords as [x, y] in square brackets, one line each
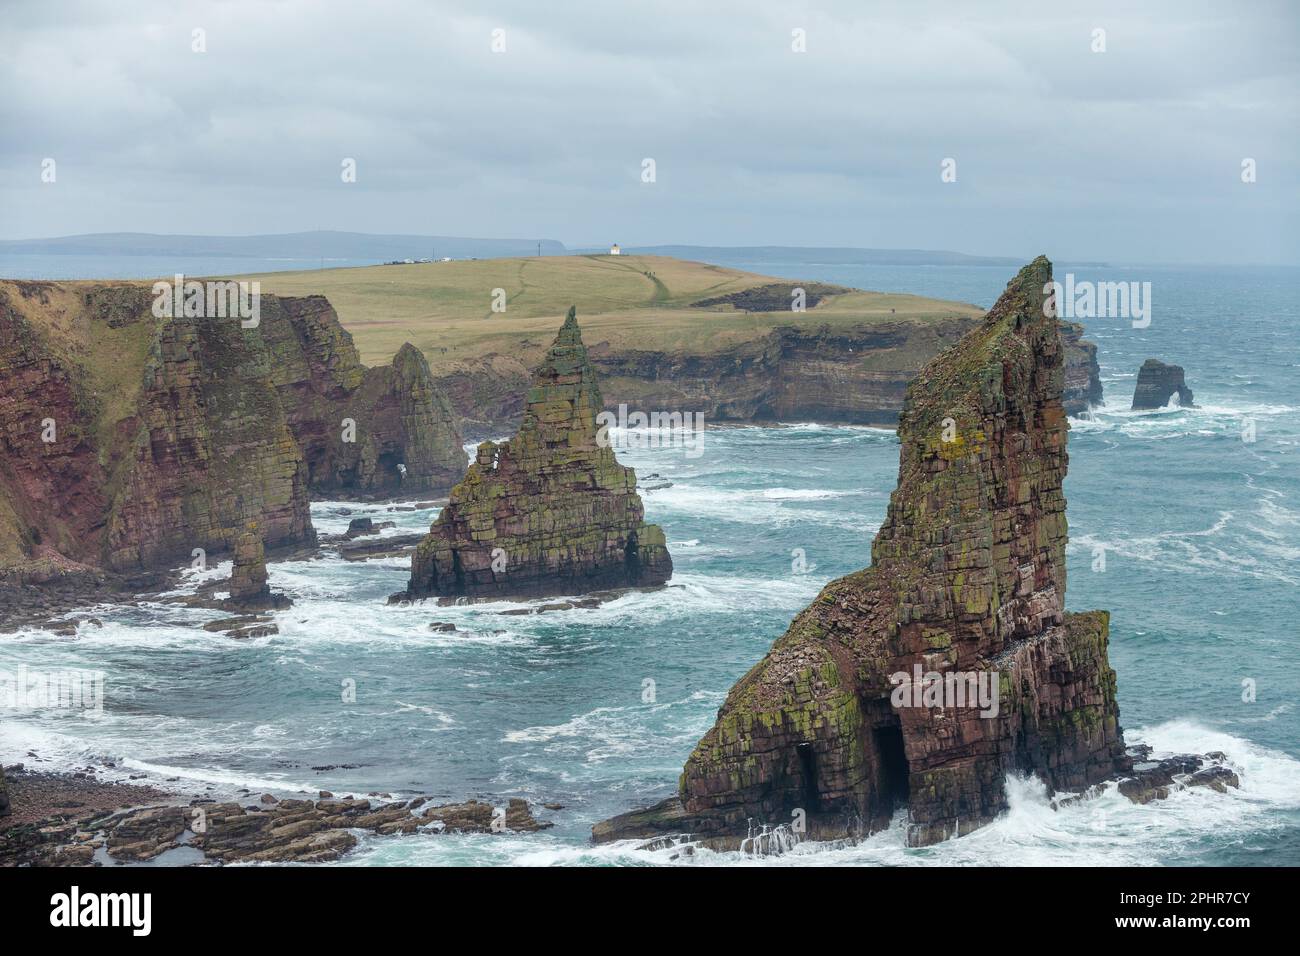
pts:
[1157, 383]
[551, 511]
[1082, 375]
[842, 719]
[128, 440]
[401, 417]
[855, 375]
[210, 449]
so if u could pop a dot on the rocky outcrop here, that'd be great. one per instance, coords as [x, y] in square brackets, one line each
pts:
[4, 794]
[854, 375]
[404, 438]
[249, 590]
[549, 512]
[923, 680]
[248, 575]
[1157, 383]
[128, 441]
[1082, 374]
[207, 446]
[84, 831]
[360, 527]
[773, 297]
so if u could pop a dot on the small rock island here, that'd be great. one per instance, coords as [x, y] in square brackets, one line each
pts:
[549, 512]
[1157, 383]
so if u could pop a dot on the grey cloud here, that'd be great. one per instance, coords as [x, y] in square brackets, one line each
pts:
[1128, 155]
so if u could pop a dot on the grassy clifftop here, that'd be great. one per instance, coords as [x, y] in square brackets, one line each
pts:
[627, 302]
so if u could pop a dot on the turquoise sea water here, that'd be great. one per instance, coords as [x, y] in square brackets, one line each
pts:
[1200, 532]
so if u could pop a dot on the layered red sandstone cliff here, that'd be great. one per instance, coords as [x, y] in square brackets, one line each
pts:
[127, 440]
[842, 375]
[967, 579]
[549, 512]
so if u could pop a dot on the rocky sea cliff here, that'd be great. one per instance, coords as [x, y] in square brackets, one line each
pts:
[926, 679]
[133, 443]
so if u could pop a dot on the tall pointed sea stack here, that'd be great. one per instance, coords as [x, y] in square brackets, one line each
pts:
[549, 512]
[841, 719]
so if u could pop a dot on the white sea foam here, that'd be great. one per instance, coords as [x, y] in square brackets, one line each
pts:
[1173, 421]
[1104, 830]
[779, 507]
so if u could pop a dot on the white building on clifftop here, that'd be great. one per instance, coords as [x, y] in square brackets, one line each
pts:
[613, 250]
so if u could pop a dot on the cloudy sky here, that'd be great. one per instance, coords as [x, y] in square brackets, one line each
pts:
[1131, 154]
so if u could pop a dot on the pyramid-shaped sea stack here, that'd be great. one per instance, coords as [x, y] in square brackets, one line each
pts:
[844, 721]
[549, 512]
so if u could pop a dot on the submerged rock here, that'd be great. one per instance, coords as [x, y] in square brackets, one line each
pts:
[1155, 780]
[389, 547]
[549, 512]
[360, 527]
[1157, 383]
[950, 662]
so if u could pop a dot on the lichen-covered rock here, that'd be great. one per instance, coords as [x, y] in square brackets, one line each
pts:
[128, 441]
[1157, 383]
[967, 581]
[551, 511]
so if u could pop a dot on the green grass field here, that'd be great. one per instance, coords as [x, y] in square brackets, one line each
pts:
[629, 302]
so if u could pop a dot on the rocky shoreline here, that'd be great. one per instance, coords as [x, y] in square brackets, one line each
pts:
[58, 596]
[76, 820]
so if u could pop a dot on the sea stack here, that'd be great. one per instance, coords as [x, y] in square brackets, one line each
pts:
[855, 711]
[249, 590]
[1157, 383]
[549, 512]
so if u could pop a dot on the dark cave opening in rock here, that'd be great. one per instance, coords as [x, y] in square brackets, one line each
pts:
[632, 559]
[808, 764]
[387, 472]
[893, 765]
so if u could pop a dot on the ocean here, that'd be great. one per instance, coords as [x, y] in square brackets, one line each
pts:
[596, 709]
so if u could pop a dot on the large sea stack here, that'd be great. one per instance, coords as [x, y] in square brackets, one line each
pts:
[549, 512]
[967, 581]
[1157, 383]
